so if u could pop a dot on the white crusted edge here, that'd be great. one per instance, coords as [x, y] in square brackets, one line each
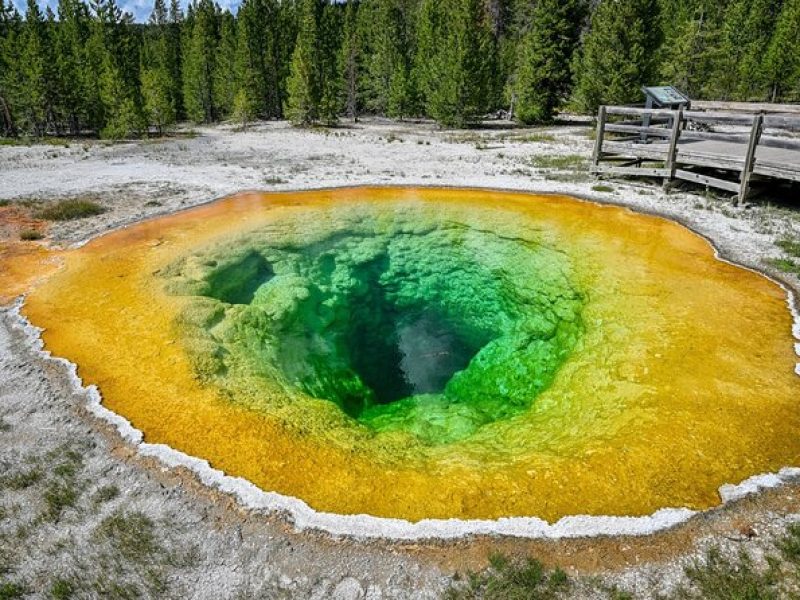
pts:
[303, 517]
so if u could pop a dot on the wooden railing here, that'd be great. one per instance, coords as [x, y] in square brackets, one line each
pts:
[673, 144]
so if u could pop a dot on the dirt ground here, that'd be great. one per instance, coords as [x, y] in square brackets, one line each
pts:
[81, 511]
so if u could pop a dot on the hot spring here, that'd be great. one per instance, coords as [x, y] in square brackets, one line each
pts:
[424, 353]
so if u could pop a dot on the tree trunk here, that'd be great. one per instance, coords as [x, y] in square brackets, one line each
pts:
[8, 122]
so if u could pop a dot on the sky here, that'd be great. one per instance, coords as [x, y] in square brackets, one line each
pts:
[140, 9]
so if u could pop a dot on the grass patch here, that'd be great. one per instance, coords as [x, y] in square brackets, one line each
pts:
[62, 491]
[69, 463]
[21, 480]
[113, 590]
[29, 235]
[785, 265]
[275, 180]
[67, 210]
[537, 138]
[789, 545]
[132, 546]
[511, 580]
[4, 425]
[62, 589]
[618, 594]
[559, 162]
[5, 203]
[602, 188]
[106, 494]
[718, 578]
[131, 534]
[463, 138]
[790, 246]
[714, 577]
[567, 176]
[153, 203]
[58, 497]
[8, 591]
[31, 141]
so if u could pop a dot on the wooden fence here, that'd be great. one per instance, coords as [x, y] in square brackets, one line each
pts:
[715, 148]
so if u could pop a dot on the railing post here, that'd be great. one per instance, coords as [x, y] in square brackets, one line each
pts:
[672, 153]
[598, 141]
[750, 157]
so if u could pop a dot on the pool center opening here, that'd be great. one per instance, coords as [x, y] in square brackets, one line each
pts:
[396, 351]
[434, 330]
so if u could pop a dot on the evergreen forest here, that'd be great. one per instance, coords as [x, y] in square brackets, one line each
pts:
[90, 69]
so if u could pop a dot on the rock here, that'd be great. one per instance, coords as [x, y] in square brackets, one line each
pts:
[348, 589]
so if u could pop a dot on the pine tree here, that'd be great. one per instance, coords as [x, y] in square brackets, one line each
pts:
[385, 26]
[782, 60]
[54, 85]
[331, 82]
[388, 65]
[286, 30]
[248, 95]
[258, 51]
[759, 26]
[123, 116]
[75, 82]
[691, 46]
[159, 105]
[430, 31]
[225, 65]
[114, 49]
[350, 61]
[455, 76]
[619, 53]
[302, 105]
[272, 72]
[173, 57]
[10, 76]
[35, 70]
[158, 91]
[244, 109]
[744, 41]
[544, 77]
[198, 63]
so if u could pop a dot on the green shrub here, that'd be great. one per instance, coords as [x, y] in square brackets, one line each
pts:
[29, 235]
[67, 210]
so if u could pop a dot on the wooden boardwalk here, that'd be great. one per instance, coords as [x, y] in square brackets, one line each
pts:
[722, 149]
